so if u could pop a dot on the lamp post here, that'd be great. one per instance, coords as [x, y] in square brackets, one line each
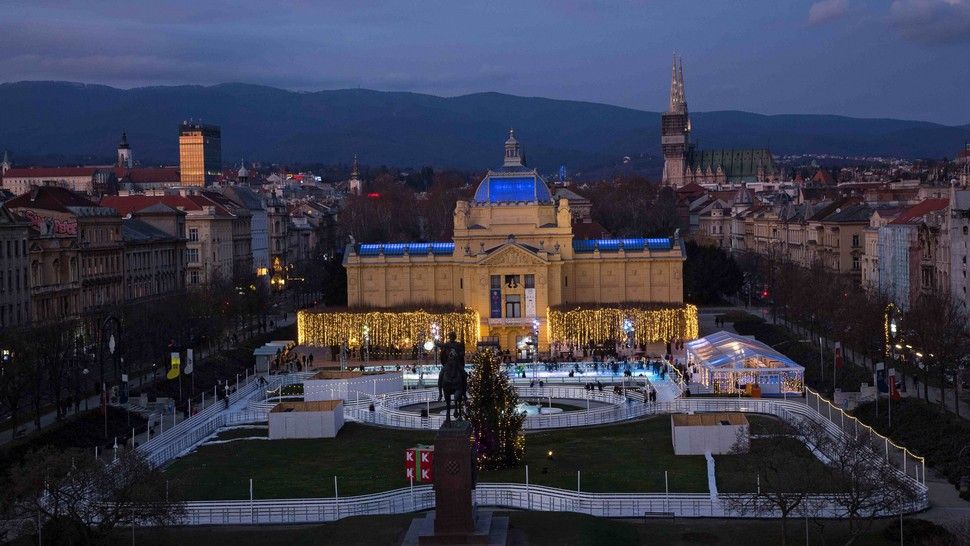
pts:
[535, 346]
[366, 345]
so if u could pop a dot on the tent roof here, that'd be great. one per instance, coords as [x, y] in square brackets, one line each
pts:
[728, 351]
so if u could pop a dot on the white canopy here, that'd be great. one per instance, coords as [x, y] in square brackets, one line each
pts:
[727, 360]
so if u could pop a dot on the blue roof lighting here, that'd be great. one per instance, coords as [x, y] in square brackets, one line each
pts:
[399, 249]
[512, 189]
[614, 245]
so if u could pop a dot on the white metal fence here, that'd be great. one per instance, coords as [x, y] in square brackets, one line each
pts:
[503, 495]
[186, 434]
[525, 496]
[387, 410]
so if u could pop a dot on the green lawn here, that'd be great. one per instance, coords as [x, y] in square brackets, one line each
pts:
[621, 458]
[533, 528]
[736, 475]
[246, 432]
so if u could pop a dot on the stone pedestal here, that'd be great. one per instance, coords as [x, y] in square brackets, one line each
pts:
[455, 520]
[454, 479]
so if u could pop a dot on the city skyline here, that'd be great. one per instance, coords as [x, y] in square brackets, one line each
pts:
[831, 56]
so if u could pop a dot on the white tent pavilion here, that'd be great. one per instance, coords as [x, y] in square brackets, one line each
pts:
[724, 362]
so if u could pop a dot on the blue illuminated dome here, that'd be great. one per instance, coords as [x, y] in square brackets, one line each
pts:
[513, 182]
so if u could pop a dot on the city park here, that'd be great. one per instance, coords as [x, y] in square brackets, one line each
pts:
[628, 414]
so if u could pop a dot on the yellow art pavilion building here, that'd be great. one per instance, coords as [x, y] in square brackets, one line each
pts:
[513, 268]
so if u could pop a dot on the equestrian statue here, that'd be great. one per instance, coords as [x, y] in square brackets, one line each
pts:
[453, 379]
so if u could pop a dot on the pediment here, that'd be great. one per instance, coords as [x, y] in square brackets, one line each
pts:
[512, 254]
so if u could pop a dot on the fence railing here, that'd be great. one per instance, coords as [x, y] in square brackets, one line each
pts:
[503, 495]
[186, 434]
[387, 410]
[833, 420]
[911, 464]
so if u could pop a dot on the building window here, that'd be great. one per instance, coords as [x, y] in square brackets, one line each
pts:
[193, 234]
[192, 255]
[512, 281]
[193, 277]
[461, 284]
[513, 306]
[530, 281]
[855, 241]
[855, 263]
[496, 282]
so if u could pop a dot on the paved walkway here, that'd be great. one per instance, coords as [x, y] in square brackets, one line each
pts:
[945, 502]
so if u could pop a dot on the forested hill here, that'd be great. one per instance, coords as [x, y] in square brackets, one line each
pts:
[410, 129]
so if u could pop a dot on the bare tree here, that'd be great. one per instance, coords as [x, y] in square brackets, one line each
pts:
[77, 497]
[782, 483]
[938, 325]
[865, 484]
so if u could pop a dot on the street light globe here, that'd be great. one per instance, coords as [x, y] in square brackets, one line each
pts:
[428, 345]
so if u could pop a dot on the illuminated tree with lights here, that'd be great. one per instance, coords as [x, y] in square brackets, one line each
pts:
[497, 426]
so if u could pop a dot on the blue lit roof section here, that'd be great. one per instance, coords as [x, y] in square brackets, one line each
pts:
[399, 249]
[629, 245]
[496, 188]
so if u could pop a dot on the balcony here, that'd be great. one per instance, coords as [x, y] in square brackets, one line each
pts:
[517, 321]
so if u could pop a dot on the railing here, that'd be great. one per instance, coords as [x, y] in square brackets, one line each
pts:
[911, 464]
[505, 495]
[186, 434]
[619, 408]
[524, 496]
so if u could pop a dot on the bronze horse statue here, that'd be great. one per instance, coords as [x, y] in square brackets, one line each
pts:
[453, 379]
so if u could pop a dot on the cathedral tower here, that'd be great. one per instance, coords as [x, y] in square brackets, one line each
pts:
[124, 152]
[356, 184]
[675, 129]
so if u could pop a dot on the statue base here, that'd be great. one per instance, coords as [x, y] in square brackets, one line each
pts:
[489, 529]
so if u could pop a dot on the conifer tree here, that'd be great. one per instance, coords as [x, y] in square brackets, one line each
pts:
[497, 426]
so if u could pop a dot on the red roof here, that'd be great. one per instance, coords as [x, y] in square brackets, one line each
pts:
[693, 187]
[50, 198]
[919, 210]
[823, 177]
[126, 204]
[50, 172]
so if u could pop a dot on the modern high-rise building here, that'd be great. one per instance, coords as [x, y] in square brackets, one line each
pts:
[200, 153]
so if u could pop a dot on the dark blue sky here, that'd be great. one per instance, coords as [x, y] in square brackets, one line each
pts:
[873, 58]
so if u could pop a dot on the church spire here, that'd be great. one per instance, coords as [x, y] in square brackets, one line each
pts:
[678, 102]
[513, 153]
[355, 171]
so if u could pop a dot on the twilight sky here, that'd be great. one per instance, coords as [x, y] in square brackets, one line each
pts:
[872, 58]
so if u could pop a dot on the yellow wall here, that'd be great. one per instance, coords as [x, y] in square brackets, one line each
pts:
[515, 239]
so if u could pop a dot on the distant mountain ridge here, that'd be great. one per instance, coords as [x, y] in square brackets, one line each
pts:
[412, 129]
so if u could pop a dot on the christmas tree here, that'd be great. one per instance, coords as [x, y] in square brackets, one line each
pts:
[497, 426]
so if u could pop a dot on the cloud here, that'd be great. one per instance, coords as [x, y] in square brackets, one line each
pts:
[932, 22]
[824, 11]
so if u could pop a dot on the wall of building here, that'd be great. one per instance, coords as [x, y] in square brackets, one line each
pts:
[14, 277]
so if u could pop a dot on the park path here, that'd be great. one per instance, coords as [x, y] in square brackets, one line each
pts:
[50, 418]
[946, 506]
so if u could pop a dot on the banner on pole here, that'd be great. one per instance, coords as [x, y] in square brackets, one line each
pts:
[418, 463]
[530, 302]
[188, 361]
[838, 354]
[176, 361]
